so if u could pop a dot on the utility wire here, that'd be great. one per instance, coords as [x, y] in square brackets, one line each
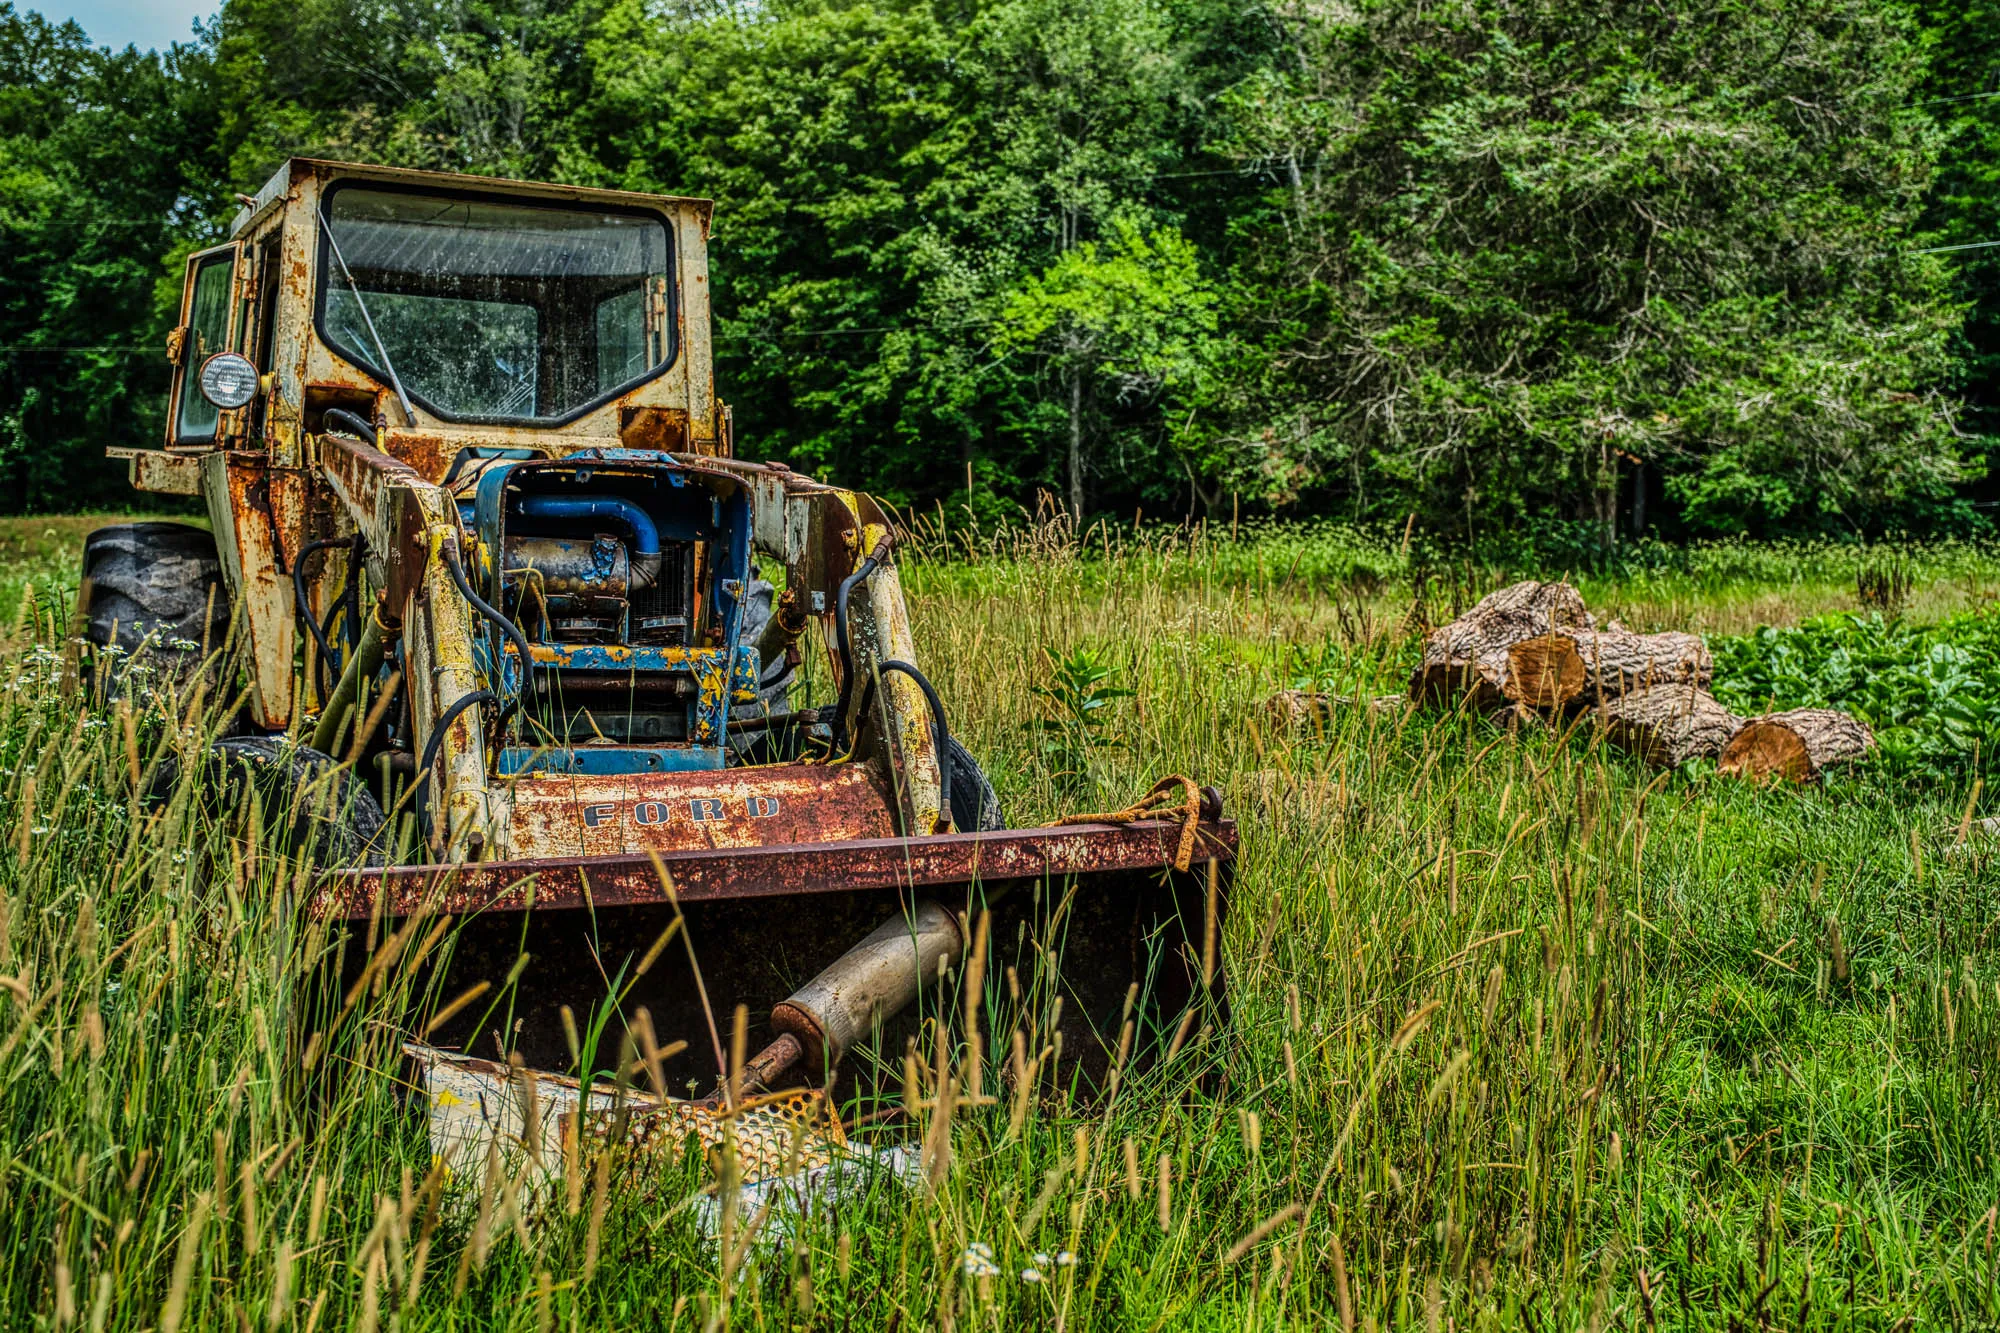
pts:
[1948, 249]
[1968, 97]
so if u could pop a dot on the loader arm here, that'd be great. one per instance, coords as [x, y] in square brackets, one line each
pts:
[404, 522]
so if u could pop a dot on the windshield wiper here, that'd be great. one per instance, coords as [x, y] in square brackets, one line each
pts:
[395, 381]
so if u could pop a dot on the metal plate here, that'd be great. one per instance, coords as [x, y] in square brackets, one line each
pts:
[777, 871]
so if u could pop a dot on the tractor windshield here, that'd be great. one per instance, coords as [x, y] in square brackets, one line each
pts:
[501, 312]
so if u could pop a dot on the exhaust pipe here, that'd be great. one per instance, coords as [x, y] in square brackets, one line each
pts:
[645, 533]
[874, 980]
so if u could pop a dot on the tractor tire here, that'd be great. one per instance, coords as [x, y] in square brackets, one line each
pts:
[151, 593]
[337, 824]
[975, 806]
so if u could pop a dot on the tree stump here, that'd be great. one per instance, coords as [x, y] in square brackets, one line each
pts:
[1506, 650]
[1617, 662]
[1667, 725]
[1798, 745]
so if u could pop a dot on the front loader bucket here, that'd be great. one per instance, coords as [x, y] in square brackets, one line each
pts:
[1096, 914]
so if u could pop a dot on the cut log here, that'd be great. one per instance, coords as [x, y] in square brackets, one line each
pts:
[1305, 708]
[1506, 650]
[1798, 745]
[1617, 662]
[1667, 725]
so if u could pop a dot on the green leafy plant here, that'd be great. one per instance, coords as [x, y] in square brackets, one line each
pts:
[1930, 692]
[1076, 697]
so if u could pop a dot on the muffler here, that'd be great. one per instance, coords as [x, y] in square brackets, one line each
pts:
[875, 980]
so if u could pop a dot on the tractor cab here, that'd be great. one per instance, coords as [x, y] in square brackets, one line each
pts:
[542, 354]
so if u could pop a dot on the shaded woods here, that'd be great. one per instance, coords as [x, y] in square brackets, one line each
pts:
[1618, 268]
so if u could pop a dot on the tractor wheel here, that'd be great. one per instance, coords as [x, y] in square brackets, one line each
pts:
[151, 592]
[333, 821]
[975, 806]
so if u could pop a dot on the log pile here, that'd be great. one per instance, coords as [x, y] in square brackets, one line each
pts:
[1533, 649]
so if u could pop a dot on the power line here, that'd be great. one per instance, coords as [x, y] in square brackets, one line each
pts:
[1968, 97]
[1948, 249]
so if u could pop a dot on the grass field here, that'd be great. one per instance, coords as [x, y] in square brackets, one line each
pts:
[1526, 1036]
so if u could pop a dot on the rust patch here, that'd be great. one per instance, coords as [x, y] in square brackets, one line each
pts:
[163, 473]
[426, 451]
[571, 815]
[773, 872]
[661, 428]
[361, 469]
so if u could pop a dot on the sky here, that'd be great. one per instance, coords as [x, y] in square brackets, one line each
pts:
[147, 24]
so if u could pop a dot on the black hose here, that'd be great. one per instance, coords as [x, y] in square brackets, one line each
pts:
[939, 731]
[356, 426]
[843, 642]
[305, 612]
[351, 593]
[500, 622]
[334, 610]
[438, 733]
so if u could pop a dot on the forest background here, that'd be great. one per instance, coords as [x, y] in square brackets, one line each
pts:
[1498, 270]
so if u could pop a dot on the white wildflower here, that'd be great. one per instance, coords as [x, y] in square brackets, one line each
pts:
[978, 1260]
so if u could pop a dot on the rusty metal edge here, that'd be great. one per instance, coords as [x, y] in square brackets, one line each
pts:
[710, 874]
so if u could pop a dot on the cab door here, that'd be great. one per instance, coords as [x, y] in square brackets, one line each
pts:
[208, 313]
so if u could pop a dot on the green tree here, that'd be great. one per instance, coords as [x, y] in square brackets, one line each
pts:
[1962, 92]
[1531, 253]
[101, 157]
[1128, 318]
[482, 86]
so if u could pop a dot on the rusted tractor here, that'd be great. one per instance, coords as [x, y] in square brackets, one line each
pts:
[479, 523]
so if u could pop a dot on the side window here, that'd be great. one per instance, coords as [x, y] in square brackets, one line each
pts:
[207, 333]
[266, 326]
[621, 338]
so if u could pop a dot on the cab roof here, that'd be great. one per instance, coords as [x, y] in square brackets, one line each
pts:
[300, 169]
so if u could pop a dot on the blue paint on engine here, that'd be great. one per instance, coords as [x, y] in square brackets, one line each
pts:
[610, 760]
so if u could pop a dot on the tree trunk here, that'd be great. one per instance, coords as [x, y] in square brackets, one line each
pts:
[1667, 725]
[1798, 745]
[1617, 661]
[1504, 650]
[1076, 445]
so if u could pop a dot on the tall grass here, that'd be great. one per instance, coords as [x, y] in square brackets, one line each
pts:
[1524, 1035]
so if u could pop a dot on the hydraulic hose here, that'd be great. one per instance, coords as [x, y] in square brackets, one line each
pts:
[350, 594]
[438, 733]
[940, 733]
[351, 422]
[361, 665]
[645, 533]
[305, 612]
[844, 642]
[500, 622]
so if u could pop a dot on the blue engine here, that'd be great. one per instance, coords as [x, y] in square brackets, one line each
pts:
[627, 571]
